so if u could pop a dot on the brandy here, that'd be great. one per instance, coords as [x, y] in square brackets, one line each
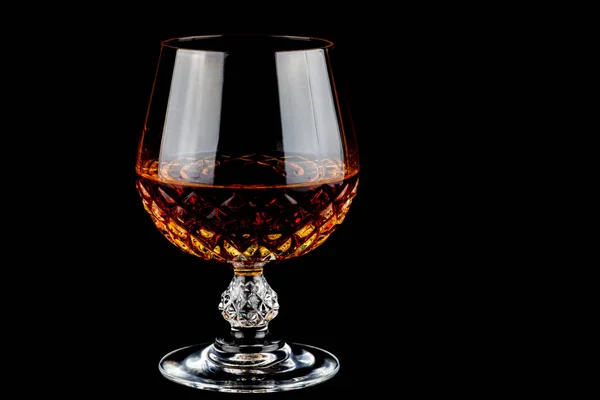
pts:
[246, 209]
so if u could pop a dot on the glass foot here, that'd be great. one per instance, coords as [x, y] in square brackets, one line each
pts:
[225, 368]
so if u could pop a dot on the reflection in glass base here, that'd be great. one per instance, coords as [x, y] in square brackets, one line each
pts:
[279, 367]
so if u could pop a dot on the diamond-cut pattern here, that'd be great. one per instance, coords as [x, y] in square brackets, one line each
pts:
[253, 224]
[249, 302]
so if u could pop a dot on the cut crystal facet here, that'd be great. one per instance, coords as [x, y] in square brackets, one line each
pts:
[249, 302]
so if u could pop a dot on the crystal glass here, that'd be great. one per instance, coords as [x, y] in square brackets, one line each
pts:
[246, 158]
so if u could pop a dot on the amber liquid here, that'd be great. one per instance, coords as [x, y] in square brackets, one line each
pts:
[247, 209]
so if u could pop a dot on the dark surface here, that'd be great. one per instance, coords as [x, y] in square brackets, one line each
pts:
[394, 293]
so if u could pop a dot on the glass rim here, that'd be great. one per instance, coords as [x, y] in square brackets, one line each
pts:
[316, 43]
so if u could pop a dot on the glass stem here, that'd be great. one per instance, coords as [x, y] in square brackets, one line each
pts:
[249, 303]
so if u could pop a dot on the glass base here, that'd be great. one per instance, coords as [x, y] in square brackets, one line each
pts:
[225, 368]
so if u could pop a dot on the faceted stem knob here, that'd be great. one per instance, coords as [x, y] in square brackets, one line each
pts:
[249, 301]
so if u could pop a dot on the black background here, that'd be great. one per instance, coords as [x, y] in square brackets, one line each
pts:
[396, 293]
